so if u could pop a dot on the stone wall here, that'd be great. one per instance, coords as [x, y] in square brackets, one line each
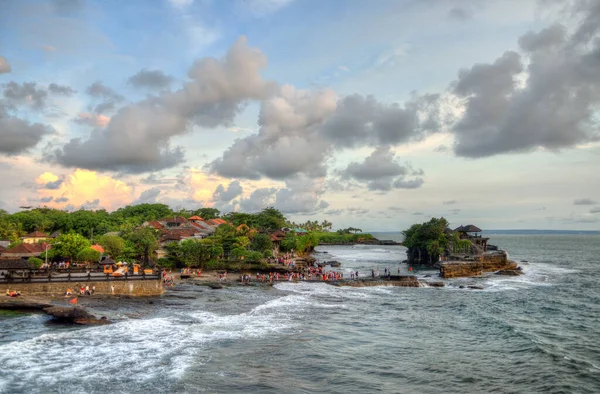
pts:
[149, 287]
[485, 263]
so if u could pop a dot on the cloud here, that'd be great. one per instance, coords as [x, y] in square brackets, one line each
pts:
[261, 8]
[54, 185]
[148, 196]
[152, 79]
[450, 202]
[137, 138]
[93, 120]
[25, 93]
[302, 195]
[61, 199]
[258, 200]
[4, 66]
[396, 209]
[460, 14]
[227, 194]
[82, 187]
[553, 108]
[381, 171]
[595, 210]
[46, 199]
[334, 212]
[584, 201]
[62, 90]
[18, 135]
[107, 96]
[181, 3]
[89, 205]
[299, 130]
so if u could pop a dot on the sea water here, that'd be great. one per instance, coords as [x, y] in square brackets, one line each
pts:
[534, 333]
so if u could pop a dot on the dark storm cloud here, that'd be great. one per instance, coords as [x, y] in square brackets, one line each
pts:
[137, 138]
[153, 79]
[227, 194]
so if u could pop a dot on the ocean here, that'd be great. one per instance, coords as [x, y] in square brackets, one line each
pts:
[535, 333]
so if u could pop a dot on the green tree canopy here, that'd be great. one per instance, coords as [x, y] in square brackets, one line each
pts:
[69, 245]
[88, 255]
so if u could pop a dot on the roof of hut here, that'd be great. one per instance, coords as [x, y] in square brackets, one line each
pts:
[469, 228]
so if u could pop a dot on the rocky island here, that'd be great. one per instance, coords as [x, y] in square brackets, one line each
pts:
[462, 252]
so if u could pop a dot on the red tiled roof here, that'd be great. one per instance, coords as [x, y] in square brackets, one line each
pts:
[176, 219]
[26, 249]
[155, 224]
[195, 217]
[220, 221]
[36, 234]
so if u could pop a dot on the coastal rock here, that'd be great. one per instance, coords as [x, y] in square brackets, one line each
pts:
[436, 284]
[486, 263]
[74, 315]
[22, 305]
[215, 286]
[515, 272]
[475, 287]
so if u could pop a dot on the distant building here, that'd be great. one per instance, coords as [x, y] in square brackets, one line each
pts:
[35, 237]
[25, 250]
[470, 232]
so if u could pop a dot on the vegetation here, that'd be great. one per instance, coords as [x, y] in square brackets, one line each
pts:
[245, 239]
[428, 241]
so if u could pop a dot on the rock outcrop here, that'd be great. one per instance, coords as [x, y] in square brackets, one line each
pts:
[400, 281]
[74, 315]
[486, 263]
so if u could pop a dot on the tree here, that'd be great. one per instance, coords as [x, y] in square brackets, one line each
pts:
[261, 243]
[37, 263]
[112, 244]
[69, 245]
[426, 241]
[88, 255]
[145, 241]
[289, 243]
[207, 213]
[194, 252]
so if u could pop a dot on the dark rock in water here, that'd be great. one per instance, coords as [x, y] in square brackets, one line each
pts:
[389, 242]
[215, 286]
[333, 263]
[516, 272]
[461, 287]
[427, 276]
[524, 261]
[436, 284]
[17, 304]
[476, 287]
[74, 315]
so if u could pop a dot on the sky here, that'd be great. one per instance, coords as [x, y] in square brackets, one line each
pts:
[368, 114]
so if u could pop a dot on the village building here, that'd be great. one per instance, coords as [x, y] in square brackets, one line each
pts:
[35, 237]
[8, 267]
[5, 243]
[25, 250]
